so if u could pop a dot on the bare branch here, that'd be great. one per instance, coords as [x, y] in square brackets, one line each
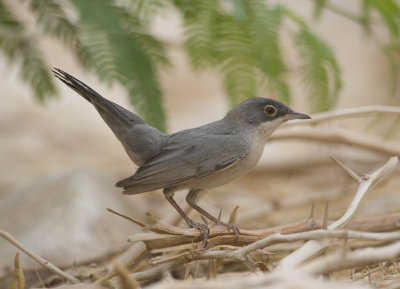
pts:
[313, 248]
[337, 136]
[361, 257]
[347, 113]
[367, 182]
[241, 253]
[38, 259]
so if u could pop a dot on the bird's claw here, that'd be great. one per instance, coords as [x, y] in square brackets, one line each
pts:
[232, 227]
[204, 230]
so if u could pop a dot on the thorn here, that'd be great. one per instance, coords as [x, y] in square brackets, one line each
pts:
[152, 217]
[311, 217]
[349, 171]
[326, 215]
[219, 215]
[128, 218]
[233, 216]
[204, 220]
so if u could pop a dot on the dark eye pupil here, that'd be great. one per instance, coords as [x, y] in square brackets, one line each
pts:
[270, 110]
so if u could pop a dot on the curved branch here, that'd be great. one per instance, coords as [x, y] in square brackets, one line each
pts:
[347, 113]
[338, 137]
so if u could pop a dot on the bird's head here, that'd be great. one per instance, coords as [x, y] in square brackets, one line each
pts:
[263, 113]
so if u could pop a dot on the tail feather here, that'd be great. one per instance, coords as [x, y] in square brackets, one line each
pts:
[112, 109]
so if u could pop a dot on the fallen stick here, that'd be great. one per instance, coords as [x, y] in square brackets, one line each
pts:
[361, 257]
[38, 259]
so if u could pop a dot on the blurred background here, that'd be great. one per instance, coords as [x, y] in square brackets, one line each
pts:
[180, 64]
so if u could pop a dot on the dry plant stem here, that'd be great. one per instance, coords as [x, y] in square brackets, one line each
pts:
[126, 279]
[126, 258]
[38, 259]
[347, 113]
[241, 253]
[159, 243]
[127, 217]
[365, 183]
[153, 273]
[313, 248]
[358, 258]
[338, 136]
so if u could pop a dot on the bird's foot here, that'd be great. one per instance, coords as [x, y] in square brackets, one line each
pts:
[232, 227]
[204, 230]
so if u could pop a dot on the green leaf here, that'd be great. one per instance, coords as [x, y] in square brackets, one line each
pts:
[389, 10]
[133, 25]
[237, 61]
[200, 31]
[20, 48]
[321, 73]
[318, 7]
[52, 18]
[125, 59]
[35, 71]
[265, 30]
[391, 50]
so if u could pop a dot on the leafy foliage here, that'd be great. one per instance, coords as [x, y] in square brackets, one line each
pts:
[239, 38]
[319, 5]
[266, 39]
[243, 41]
[117, 56]
[388, 10]
[375, 13]
[319, 65]
[17, 46]
[52, 18]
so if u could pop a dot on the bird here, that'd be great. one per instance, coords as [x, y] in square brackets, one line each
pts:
[194, 159]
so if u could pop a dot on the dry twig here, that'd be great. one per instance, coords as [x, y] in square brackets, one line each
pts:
[338, 136]
[347, 113]
[358, 258]
[313, 248]
[38, 259]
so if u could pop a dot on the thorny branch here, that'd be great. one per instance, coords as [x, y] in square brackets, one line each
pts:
[312, 248]
[241, 253]
[178, 247]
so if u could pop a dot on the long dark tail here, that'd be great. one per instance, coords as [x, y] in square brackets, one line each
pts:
[101, 103]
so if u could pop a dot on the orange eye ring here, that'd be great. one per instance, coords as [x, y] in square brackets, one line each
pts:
[270, 110]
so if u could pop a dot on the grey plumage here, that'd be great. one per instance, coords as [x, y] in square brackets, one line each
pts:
[197, 158]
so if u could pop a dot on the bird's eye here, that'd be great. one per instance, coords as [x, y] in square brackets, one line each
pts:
[270, 110]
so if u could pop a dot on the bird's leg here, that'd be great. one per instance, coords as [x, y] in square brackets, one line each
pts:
[204, 230]
[191, 200]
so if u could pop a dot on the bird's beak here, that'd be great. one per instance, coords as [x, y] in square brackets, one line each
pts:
[296, 115]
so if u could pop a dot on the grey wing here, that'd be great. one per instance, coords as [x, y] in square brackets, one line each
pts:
[177, 164]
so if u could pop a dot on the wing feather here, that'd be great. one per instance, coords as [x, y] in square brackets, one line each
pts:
[178, 163]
